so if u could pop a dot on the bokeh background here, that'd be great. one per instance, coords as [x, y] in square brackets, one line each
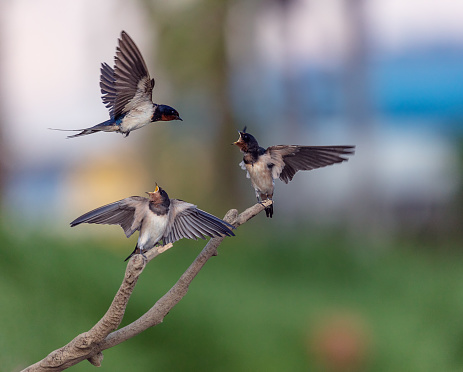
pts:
[361, 268]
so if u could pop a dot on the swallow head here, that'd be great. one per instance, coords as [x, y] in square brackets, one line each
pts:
[246, 141]
[165, 113]
[158, 196]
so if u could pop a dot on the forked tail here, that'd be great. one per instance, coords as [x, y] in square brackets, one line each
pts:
[135, 251]
[269, 211]
[104, 126]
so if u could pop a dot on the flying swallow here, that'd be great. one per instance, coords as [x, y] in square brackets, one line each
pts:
[263, 166]
[127, 93]
[157, 218]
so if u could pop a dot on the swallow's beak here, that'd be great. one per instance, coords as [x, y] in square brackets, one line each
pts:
[156, 190]
[237, 143]
[179, 118]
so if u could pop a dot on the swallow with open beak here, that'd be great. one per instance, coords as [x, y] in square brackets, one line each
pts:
[157, 218]
[263, 166]
[127, 93]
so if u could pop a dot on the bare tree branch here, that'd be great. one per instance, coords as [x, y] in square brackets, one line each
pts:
[103, 335]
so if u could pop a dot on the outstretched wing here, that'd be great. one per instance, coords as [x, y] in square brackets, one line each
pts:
[287, 160]
[129, 84]
[108, 87]
[128, 213]
[187, 221]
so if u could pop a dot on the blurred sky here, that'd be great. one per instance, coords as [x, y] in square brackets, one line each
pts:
[50, 58]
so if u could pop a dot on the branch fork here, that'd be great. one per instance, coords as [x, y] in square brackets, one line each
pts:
[104, 334]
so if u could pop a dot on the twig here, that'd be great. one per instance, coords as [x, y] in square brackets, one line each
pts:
[89, 345]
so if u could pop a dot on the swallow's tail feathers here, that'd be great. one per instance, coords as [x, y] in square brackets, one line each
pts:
[135, 251]
[83, 132]
[106, 126]
[261, 198]
[269, 211]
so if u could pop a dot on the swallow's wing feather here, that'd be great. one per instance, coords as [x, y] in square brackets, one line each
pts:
[128, 213]
[108, 87]
[287, 160]
[129, 84]
[187, 221]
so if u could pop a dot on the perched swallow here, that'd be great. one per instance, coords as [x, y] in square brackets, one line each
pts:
[127, 92]
[263, 166]
[157, 218]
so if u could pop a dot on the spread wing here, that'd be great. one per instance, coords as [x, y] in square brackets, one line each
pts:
[287, 160]
[187, 221]
[129, 83]
[128, 213]
[108, 87]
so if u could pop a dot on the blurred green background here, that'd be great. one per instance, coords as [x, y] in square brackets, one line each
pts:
[361, 268]
[315, 301]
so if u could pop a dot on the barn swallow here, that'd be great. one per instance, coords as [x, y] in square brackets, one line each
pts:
[127, 93]
[263, 166]
[157, 218]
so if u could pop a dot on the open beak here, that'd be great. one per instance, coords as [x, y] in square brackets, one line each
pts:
[156, 189]
[237, 143]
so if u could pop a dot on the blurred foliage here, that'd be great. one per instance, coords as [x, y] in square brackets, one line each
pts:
[457, 204]
[191, 49]
[312, 301]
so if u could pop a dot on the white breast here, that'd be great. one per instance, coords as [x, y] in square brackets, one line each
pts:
[152, 230]
[261, 178]
[138, 117]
